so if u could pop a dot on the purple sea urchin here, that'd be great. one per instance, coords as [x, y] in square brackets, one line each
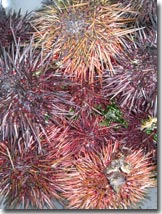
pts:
[135, 84]
[86, 35]
[110, 179]
[141, 133]
[145, 19]
[28, 93]
[14, 26]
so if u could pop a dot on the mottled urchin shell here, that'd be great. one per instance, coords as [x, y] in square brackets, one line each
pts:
[91, 185]
[14, 26]
[29, 96]
[87, 36]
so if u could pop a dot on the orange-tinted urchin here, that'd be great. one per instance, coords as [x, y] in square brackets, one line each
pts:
[109, 179]
[29, 179]
[87, 36]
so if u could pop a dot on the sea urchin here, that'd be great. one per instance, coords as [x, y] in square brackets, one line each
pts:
[28, 180]
[113, 178]
[87, 35]
[28, 93]
[14, 26]
[135, 84]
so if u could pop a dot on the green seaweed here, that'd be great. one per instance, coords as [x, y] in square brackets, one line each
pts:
[112, 113]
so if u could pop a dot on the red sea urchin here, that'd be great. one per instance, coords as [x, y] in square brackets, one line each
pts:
[14, 26]
[28, 179]
[110, 179]
[83, 135]
[28, 95]
[87, 35]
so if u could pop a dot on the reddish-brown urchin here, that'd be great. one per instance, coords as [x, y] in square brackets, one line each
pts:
[29, 96]
[135, 83]
[141, 133]
[87, 35]
[29, 179]
[14, 26]
[111, 179]
[81, 135]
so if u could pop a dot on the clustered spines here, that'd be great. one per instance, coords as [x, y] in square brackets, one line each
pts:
[15, 26]
[28, 98]
[141, 133]
[135, 84]
[85, 51]
[82, 135]
[86, 98]
[29, 181]
[147, 21]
